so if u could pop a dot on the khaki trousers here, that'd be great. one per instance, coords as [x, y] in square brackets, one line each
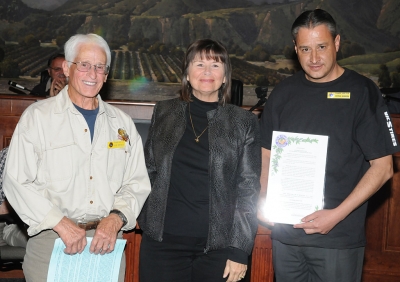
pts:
[38, 253]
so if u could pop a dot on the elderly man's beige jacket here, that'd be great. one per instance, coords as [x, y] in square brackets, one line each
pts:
[54, 170]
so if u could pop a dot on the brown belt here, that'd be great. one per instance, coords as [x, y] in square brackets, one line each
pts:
[89, 225]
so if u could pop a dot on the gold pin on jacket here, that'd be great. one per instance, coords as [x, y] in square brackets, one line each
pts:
[122, 135]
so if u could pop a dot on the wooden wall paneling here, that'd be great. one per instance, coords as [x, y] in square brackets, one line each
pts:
[12, 105]
[11, 108]
[392, 242]
[15, 273]
[261, 259]
[382, 253]
[133, 237]
[7, 126]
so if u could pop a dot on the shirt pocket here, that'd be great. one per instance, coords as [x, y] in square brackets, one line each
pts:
[58, 162]
[116, 166]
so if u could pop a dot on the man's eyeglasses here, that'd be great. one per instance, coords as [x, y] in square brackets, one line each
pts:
[85, 67]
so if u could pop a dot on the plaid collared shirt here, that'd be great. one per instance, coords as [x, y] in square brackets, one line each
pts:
[3, 155]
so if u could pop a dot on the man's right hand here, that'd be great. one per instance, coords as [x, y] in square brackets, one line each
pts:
[73, 236]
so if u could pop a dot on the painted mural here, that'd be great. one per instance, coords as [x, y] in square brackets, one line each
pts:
[148, 39]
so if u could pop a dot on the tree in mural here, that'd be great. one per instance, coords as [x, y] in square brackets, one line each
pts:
[2, 53]
[395, 76]
[348, 49]
[384, 76]
[60, 40]
[262, 80]
[259, 53]
[10, 68]
[29, 41]
[289, 52]
[1, 56]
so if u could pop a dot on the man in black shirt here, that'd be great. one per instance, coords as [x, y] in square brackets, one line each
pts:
[56, 80]
[326, 99]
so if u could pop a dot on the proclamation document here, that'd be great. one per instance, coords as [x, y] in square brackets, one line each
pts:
[85, 267]
[296, 176]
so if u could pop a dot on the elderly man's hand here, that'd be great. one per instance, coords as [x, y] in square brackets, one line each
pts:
[106, 234]
[73, 236]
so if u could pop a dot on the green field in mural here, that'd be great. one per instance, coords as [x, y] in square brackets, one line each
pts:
[148, 38]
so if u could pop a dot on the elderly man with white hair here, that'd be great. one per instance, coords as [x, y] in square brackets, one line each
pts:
[76, 166]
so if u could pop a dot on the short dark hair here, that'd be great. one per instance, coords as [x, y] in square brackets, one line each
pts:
[312, 18]
[210, 49]
[53, 57]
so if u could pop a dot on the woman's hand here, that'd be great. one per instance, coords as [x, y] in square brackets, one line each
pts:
[235, 270]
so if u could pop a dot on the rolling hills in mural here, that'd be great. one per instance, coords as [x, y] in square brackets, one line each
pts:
[148, 38]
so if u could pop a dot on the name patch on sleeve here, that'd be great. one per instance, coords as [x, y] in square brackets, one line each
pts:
[390, 128]
[338, 95]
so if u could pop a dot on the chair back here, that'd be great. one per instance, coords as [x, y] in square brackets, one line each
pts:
[44, 76]
[237, 92]
[392, 99]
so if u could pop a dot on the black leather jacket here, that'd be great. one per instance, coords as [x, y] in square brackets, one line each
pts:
[234, 179]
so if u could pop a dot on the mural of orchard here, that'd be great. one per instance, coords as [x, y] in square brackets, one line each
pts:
[148, 39]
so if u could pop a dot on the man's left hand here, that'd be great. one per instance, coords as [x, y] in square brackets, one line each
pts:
[106, 235]
[321, 221]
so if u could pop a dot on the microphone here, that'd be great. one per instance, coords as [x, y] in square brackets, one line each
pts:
[390, 97]
[261, 92]
[16, 85]
[390, 94]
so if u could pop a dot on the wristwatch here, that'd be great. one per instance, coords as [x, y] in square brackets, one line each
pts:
[121, 216]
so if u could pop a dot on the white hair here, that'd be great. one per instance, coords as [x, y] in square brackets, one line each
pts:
[72, 45]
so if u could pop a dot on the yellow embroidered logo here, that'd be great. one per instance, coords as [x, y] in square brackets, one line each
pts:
[338, 95]
[116, 144]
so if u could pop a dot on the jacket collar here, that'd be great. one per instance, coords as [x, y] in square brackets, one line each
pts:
[210, 114]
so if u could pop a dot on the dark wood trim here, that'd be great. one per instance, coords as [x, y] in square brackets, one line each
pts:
[382, 253]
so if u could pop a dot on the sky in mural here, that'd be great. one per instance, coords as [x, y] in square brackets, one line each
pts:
[52, 4]
[44, 4]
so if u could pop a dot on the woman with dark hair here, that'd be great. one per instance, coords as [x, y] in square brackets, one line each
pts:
[203, 159]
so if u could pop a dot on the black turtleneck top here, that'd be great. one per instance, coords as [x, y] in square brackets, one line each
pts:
[187, 211]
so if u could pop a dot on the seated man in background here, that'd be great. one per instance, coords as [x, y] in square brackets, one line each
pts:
[12, 233]
[57, 79]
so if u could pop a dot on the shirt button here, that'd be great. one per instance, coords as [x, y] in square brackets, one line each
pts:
[91, 202]
[85, 130]
[91, 177]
